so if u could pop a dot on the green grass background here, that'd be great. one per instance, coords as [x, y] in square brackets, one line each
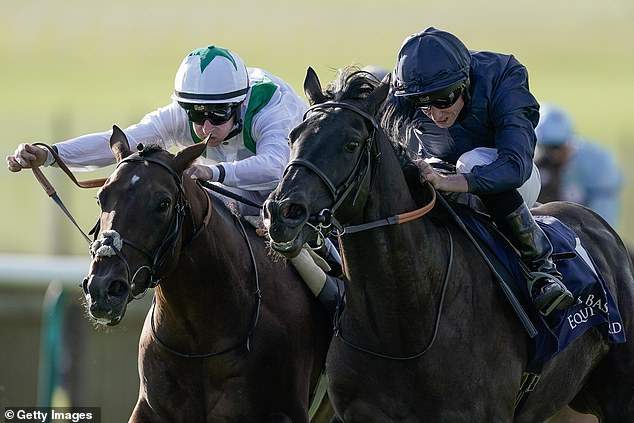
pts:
[69, 67]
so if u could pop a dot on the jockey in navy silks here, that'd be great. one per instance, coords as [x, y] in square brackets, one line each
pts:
[475, 110]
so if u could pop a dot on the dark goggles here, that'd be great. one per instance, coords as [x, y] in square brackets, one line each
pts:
[216, 114]
[440, 100]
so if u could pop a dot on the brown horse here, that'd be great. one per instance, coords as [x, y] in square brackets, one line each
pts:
[232, 336]
[426, 333]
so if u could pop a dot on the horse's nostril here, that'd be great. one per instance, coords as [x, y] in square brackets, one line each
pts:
[267, 209]
[117, 289]
[84, 285]
[293, 212]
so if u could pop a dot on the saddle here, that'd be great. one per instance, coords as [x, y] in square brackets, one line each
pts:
[595, 306]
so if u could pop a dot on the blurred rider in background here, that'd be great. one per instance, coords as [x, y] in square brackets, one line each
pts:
[575, 169]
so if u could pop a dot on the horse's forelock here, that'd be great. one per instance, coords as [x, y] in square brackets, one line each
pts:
[351, 83]
[150, 149]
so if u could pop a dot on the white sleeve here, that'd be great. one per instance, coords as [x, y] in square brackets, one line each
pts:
[167, 126]
[270, 129]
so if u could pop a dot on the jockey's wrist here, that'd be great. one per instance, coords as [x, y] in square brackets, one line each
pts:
[452, 183]
[217, 173]
[49, 159]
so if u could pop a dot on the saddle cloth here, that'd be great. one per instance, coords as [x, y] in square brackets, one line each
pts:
[595, 305]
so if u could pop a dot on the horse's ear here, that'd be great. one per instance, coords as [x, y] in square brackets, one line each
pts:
[376, 98]
[312, 88]
[187, 155]
[119, 144]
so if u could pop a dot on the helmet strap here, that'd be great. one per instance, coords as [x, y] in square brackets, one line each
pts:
[466, 96]
[237, 126]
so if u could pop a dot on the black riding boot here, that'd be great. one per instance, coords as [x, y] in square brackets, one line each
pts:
[544, 281]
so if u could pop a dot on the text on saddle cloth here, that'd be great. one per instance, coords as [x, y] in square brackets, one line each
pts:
[595, 305]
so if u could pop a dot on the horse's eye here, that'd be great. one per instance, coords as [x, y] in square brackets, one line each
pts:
[163, 206]
[352, 146]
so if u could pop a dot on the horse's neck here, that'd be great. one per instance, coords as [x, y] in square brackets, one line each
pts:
[214, 277]
[395, 271]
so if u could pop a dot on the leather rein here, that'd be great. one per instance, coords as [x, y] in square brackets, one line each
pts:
[167, 245]
[112, 240]
[325, 220]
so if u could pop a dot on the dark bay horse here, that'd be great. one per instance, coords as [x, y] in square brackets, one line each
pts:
[426, 334]
[232, 336]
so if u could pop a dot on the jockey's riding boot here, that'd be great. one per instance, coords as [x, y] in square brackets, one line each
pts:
[327, 289]
[544, 281]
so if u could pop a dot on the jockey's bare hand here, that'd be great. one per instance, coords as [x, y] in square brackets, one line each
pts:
[26, 156]
[427, 173]
[197, 171]
[451, 183]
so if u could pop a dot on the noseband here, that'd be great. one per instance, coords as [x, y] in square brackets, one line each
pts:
[110, 243]
[325, 218]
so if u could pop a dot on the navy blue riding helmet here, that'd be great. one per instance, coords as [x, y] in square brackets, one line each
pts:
[431, 65]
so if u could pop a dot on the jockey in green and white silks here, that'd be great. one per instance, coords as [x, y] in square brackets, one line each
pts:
[213, 84]
[245, 113]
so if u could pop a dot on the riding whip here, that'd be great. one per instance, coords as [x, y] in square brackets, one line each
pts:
[50, 191]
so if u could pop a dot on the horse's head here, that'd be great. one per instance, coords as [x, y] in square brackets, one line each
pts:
[142, 211]
[329, 169]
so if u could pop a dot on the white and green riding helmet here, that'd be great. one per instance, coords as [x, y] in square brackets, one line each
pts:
[211, 75]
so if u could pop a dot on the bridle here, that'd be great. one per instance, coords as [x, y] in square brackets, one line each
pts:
[166, 249]
[325, 220]
[110, 243]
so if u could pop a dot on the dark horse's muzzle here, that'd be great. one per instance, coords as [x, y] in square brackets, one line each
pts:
[286, 221]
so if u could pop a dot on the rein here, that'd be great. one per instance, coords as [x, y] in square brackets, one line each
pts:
[254, 320]
[339, 334]
[396, 219]
[50, 190]
[339, 194]
[113, 242]
[325, 219]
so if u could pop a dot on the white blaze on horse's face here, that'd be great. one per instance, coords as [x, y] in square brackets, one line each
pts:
[135, 179]
[107, 218]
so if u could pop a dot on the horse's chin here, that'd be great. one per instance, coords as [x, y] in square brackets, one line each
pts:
[286, 240]
[288, 249]
[104, 322]
[106, 315]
